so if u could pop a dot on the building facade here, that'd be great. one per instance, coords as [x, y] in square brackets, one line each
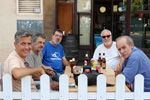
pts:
[85, 18]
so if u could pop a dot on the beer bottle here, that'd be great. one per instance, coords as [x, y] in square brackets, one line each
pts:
[100, 60]
[70, 61]
[103, 61]
[73, 63]
[86, 59]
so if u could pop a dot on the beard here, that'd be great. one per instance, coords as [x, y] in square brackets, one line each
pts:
[39, 48]
[107, 43]
[55, 42]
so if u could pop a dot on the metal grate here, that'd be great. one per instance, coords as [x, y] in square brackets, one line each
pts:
[29, 6]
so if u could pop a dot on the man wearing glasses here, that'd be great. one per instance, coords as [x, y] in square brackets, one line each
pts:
[109, 48]
[53, 54]
[16, 64]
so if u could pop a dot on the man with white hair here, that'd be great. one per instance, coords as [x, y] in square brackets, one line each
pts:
[108, 47]
[136, 62]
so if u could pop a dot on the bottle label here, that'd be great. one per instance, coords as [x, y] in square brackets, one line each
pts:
[85, 62]
[99, 70]
[103, 65]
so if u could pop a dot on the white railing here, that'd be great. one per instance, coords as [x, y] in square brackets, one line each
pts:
[82, 94]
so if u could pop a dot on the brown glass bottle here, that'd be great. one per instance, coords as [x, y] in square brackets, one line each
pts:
[104, 62]
[73, 64]
[86, 59]
[99, 60]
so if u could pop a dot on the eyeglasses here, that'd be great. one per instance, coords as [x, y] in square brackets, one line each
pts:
[106, 36]
[26, 64]
[58, 36]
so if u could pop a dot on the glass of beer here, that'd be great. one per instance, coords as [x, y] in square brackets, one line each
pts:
[70, 61]
[73, 63]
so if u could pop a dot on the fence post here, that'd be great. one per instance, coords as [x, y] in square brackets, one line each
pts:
[120, 87]
[26, 87]
[7, 87]
[82, 87]
[45, 87]
[139, 87]
[63, 87]
[101, 87]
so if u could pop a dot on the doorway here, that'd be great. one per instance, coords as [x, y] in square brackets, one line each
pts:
[102, 19]
[66, 17]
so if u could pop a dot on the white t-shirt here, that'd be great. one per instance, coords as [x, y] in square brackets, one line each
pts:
[112, 55]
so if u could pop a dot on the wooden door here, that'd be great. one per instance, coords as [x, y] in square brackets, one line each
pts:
[66, 17]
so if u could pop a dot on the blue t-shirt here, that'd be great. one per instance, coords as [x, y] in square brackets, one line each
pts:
[52, 56]
[137, 63]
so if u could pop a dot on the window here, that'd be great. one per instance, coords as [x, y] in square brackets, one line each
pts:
[85, 24]
[84, 13]
[84, 6]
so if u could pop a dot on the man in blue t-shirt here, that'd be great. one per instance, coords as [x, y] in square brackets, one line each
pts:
[53, 54]
[136, 62]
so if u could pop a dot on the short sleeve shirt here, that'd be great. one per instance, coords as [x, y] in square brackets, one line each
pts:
[52, 56]
[112, 55]
[34, 60]
[15, 61]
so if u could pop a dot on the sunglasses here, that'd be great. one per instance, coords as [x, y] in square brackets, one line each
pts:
[106, 36]
[26, 64]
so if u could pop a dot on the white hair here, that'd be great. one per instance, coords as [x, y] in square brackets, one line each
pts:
[106, 30]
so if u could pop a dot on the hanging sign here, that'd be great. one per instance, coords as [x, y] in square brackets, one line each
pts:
[122, 18]
[115, 7]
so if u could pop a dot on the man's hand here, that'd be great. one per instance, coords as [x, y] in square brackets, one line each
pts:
[48, 70]
[38, 74]
[55, 85]
[130, 86]
[118, 69]
[41, 71]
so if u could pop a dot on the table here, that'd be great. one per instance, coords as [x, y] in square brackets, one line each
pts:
[110, 78]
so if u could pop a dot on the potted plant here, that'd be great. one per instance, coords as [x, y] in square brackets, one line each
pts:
[137, 5]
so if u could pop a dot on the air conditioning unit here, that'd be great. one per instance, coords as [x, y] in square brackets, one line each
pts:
[37, 10]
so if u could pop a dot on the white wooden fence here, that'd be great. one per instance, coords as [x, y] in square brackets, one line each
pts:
[63, 94]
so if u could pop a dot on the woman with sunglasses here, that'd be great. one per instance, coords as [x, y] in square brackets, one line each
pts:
[108, 47]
